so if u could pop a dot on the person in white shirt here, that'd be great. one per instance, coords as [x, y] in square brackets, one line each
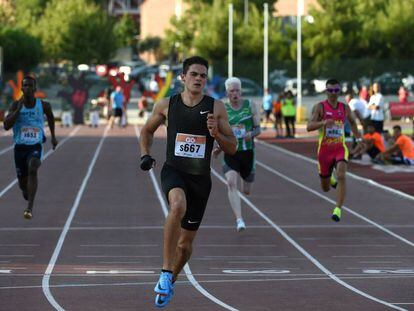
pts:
[359, 107]
[376, 106]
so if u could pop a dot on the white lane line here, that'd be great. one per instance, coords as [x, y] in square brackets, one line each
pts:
[16, 255]
[333, 226]
[119, 245]
[305, 253]
[118, 256]
[74, 131]
[237, 280]
[5, 271]
[53, 259]
[20, 245]
[119, 272]
[5, 150]
[357, 245]
[371, 256]
[187, 269]
[363, 179]
[382, 228]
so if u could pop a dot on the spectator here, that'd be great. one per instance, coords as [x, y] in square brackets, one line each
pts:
[376, 106]
[360, 108]
[374, 142]
[267, 105]
[277, 113]
[402, 95]
[404, 144]
[363, 93]
[117, 100]
[289, 114]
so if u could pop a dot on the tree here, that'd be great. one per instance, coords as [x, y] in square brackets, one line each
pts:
[29, 12]
[77, 30]
[151, 44]
[125, 31]
[22, 51]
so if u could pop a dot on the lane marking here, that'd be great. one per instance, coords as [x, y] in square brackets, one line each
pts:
[5, 150]
[118, 272]
[56, 252]
[119, 245]
[287, 279]
[389, 271]
[74, 131]
[275, 172]
[363, 179]
[5, 271]
[304, 252]
[243, 271]
[187, 269]
[333, 226]
[115, 256]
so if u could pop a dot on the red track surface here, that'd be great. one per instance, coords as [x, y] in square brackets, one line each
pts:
[109, 224]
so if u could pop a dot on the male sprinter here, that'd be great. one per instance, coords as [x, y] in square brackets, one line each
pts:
[329, 118]
[194, 122]
[244, 119]
[26, 116]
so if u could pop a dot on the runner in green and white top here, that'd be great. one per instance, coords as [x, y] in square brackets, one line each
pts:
[244, 119]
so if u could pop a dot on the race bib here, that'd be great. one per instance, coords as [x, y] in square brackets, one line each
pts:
[239, 131]
[190, 146]
[30, 135]
[334, 132]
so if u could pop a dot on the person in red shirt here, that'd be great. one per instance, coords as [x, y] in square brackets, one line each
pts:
[402, 143]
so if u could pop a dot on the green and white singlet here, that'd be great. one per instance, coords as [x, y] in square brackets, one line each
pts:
[241, 122]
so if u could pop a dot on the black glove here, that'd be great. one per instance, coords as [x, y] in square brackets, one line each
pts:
[147, 162]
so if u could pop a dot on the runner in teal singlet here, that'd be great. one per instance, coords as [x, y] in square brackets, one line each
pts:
[244, 120]
[26, 116]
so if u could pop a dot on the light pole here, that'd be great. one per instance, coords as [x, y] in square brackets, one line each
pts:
[299, 56]
[230, 42]
[265, 46]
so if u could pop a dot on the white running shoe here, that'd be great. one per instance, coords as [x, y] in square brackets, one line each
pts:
[240, 225]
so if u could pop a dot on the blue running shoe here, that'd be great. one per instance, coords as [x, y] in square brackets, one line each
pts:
[164, 284]
[162, 300]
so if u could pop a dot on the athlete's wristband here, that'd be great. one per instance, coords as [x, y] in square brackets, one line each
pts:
[147, 162]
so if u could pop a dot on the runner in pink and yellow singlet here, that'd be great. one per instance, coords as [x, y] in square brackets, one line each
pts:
[329, 118]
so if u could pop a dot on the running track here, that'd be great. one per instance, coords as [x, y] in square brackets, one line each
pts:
[96, 237]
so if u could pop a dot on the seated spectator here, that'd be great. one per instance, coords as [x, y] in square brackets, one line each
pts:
[404, 144]
[374, 142]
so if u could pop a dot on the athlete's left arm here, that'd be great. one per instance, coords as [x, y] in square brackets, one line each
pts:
[219, 127]
[256, 122]
[47, 109]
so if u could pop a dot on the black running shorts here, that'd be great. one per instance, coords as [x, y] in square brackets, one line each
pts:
[118, 112]
[22, 156]
[241, 162]
[197, 191]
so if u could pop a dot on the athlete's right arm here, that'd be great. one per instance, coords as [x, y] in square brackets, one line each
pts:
[316, 122]
[12, 115]
[158, 116]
